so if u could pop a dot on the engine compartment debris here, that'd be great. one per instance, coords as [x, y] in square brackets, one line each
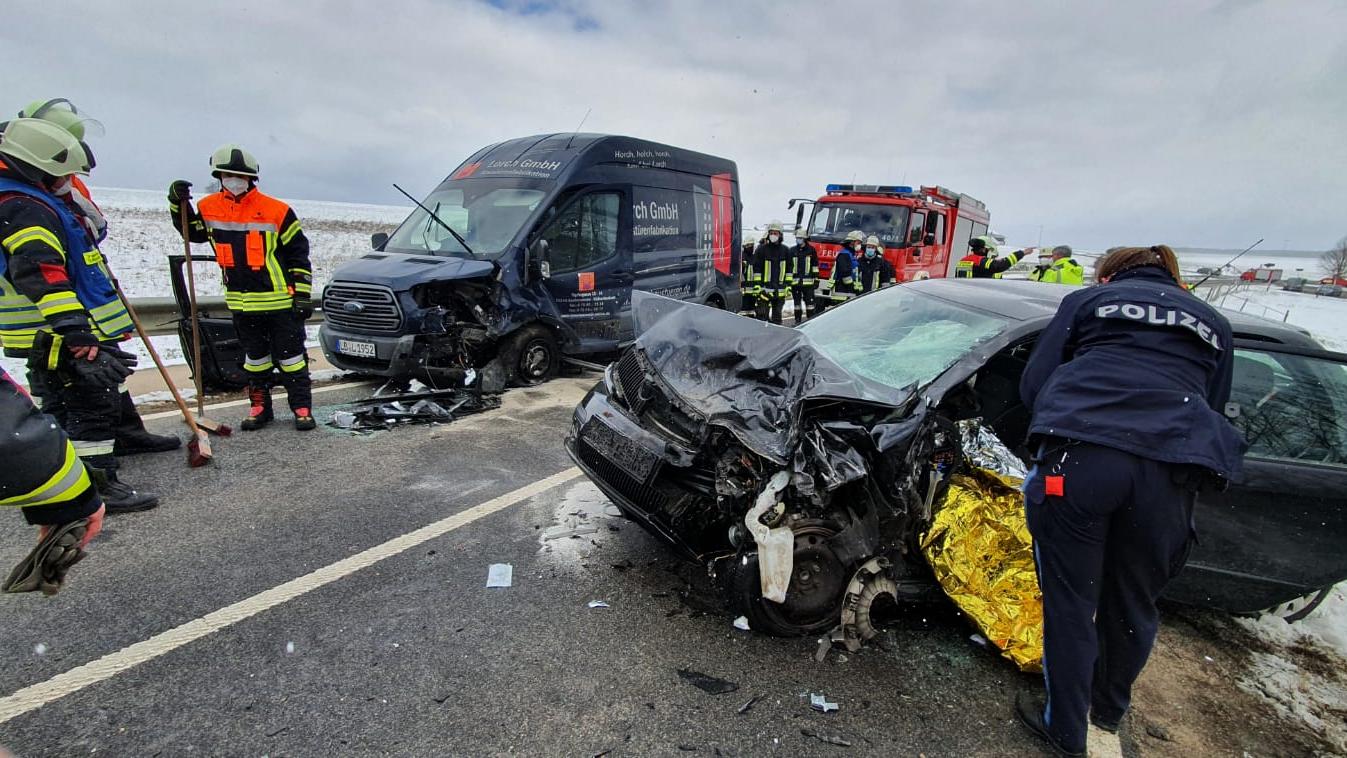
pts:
[429, 407]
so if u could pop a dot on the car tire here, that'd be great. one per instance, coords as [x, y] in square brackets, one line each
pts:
[817, 611]
[716, 302]
[532, 357]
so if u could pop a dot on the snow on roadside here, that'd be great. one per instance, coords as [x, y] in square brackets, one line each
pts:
[1324, 317]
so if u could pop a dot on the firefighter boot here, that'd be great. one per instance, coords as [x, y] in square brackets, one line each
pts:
[304, 420]
[132, 438]
[259, 414]
[118, 497]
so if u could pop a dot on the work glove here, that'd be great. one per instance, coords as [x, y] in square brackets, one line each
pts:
[96, 364]
[302, 306]
[180, 191]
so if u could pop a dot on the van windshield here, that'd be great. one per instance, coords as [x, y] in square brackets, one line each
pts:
[487, 213]
[832, 221]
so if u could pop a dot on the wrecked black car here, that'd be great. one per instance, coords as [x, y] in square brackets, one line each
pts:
[802, 464]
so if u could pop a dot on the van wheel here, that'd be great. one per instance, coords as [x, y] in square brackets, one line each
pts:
[716, 302]
[533, 357]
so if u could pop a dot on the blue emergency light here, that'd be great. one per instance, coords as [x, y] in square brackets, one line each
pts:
[886, 189]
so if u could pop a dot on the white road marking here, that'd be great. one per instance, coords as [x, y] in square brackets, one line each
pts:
[244, 401]
[37, 695]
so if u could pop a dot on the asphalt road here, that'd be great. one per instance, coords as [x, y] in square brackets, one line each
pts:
[414, 655]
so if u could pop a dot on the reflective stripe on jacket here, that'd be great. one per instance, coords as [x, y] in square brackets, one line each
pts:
[1064, 271]
[806, 264]
[41, 468]
[974, 266]
[78, 285]
[773, 270]
[262, 252]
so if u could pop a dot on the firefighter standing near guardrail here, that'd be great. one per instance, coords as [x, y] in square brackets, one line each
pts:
[982, 262]
[806, 275]
[772, 274]
[264, 258]
[58, 308]
[130, 435]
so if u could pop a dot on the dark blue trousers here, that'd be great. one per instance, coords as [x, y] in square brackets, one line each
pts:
[1105, 547]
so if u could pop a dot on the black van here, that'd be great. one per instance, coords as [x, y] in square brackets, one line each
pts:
[529, 251]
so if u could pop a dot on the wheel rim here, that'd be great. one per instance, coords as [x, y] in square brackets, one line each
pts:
[536, 360]
[817, 580]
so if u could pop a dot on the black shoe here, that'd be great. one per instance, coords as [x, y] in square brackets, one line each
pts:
[256, 420]
[141, 441]
[1109, 726]
[304, 420]
[119, 498]
[1030, 712]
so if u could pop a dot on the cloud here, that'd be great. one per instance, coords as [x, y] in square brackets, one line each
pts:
[1196, 123]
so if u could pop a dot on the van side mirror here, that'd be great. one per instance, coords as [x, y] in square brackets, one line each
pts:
[538, 265]
[378, 240]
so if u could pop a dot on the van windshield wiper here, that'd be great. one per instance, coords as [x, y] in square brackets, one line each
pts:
[438, 220]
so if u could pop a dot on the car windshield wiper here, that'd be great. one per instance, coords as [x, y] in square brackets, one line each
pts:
[438, 220]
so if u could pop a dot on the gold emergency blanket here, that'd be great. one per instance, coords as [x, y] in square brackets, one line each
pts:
[980, 549]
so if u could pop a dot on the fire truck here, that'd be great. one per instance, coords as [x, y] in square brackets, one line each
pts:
[925, 229]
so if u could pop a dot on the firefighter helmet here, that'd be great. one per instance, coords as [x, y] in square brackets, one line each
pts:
[44, 147]
[64, 114]
[873, 241]
[232, 159]
[984, 244]
[855, 235]
[775, 226]
[801, 233]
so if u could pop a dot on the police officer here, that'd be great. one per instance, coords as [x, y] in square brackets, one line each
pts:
[130, 435]
[874, 271]
[58, 308]
[772, 274]
[1064, 269]
[43, 476]
[982, 262]
[806, 275]
[1127, 385]
[264, 257]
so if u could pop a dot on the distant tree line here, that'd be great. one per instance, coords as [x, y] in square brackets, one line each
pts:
[1334, 260]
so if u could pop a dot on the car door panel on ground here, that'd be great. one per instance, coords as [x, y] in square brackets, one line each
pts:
[591, 277]
[1281, 531]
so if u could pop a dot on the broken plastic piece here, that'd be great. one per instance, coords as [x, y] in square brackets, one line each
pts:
[598, 604]
[343, 419]
[741, 624]
[819, 702]
[562, 531]
[828, 738]
[776, 546]
[707, 683]
[978, 640]
[751, 702]
[500, 575]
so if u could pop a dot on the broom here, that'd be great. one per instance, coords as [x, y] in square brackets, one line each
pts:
[198, 448]
[216, 427]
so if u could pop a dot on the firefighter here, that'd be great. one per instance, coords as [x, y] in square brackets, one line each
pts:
[874, 272]
[1127, 387]
[841, 283]
[749, 300]
[982, 262]
[58, 308]
[44, 478]
[806, 275]
[1063, 269]
[264, 259]
[130, 435]
[772, 274]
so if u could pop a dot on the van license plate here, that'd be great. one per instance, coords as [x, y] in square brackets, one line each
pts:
[356, 348]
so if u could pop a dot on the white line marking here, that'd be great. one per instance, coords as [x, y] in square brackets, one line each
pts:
[37, 695]
[244, 401]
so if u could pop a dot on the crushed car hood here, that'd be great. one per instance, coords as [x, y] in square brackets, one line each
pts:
[400, 272]
[752, 378]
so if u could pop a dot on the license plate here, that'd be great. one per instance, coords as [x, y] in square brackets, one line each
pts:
[356, 348]
[633, 459]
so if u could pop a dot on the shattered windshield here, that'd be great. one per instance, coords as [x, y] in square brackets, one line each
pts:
[486, 213]
[832, 221]
[900, 337]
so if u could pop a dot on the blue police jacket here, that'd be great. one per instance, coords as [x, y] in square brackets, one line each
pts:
[1141, 365]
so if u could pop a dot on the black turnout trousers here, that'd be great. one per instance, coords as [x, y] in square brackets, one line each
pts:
[273, 344]
[1106, 546]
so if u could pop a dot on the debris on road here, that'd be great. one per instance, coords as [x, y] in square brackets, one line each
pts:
[741, 624]
[500, 575]
[750, 703]
[599, 604]
[429, 407]
[707, 683]
[828, 738]
[819, 702]
[563, 531]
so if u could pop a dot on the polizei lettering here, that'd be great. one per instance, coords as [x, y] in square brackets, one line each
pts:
[1159, 316]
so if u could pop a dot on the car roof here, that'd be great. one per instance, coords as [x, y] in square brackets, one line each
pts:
[1024, 300]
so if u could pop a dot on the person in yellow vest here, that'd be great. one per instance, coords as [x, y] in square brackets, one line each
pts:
[1064, 269]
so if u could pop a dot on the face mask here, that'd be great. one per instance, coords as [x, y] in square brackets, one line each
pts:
[235, 185]
[61, 187]
[870, 252]
[773, 238]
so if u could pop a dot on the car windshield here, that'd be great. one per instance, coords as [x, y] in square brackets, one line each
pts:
[832, 221]
[900, 337]
[486, 213]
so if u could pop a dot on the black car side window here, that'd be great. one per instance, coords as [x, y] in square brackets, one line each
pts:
[1291, 407]
[584, 233]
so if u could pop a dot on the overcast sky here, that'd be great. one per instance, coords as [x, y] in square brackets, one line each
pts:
[1195, 123]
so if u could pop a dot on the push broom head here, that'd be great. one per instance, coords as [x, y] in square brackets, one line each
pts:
[198, 450]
